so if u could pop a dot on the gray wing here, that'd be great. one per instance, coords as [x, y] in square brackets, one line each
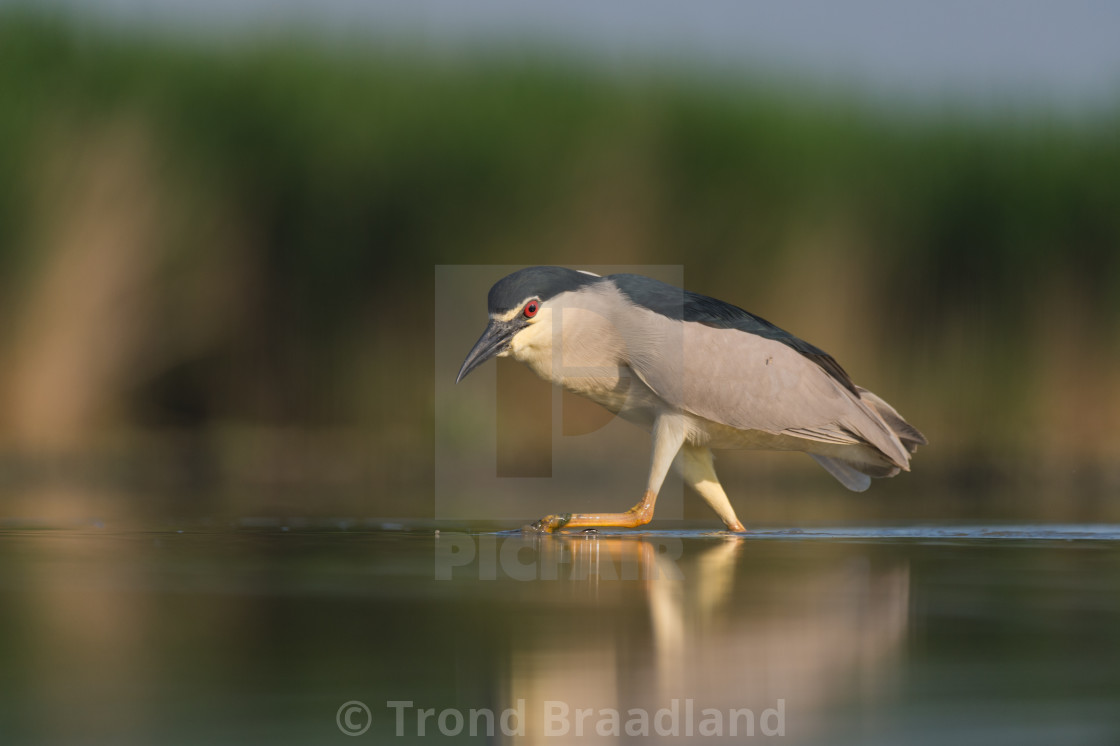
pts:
[684, 305]
[750, 382]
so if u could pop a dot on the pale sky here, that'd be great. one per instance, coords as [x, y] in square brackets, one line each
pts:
[1059, 53]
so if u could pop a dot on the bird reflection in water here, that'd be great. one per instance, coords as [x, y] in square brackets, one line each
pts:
[694, 627]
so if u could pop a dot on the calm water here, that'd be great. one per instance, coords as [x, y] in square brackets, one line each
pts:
[964, 635]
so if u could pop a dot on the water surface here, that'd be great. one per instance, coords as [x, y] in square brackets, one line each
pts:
[903, 634]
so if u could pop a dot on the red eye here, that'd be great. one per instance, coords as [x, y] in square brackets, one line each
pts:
[531, 309]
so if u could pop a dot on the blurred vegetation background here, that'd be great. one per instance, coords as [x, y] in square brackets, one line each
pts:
[216, 264]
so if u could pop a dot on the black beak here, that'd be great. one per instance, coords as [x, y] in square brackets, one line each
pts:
[493, 340]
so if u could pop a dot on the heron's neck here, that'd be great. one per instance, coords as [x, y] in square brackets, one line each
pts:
[584, 358]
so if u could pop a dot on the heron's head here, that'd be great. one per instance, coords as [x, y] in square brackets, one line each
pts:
[516, 303]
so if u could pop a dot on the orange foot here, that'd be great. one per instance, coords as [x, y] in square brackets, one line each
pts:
[639, 515]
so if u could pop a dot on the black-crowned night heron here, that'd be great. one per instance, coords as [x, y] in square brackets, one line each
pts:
[697, 372]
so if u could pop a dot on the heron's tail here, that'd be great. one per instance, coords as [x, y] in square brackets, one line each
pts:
[856, 472]
[907, 434]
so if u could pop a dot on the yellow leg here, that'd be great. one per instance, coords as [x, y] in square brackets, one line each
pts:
[668, 435]
[694, 463]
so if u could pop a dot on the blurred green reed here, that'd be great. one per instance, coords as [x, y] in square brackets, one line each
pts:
[228, 247]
